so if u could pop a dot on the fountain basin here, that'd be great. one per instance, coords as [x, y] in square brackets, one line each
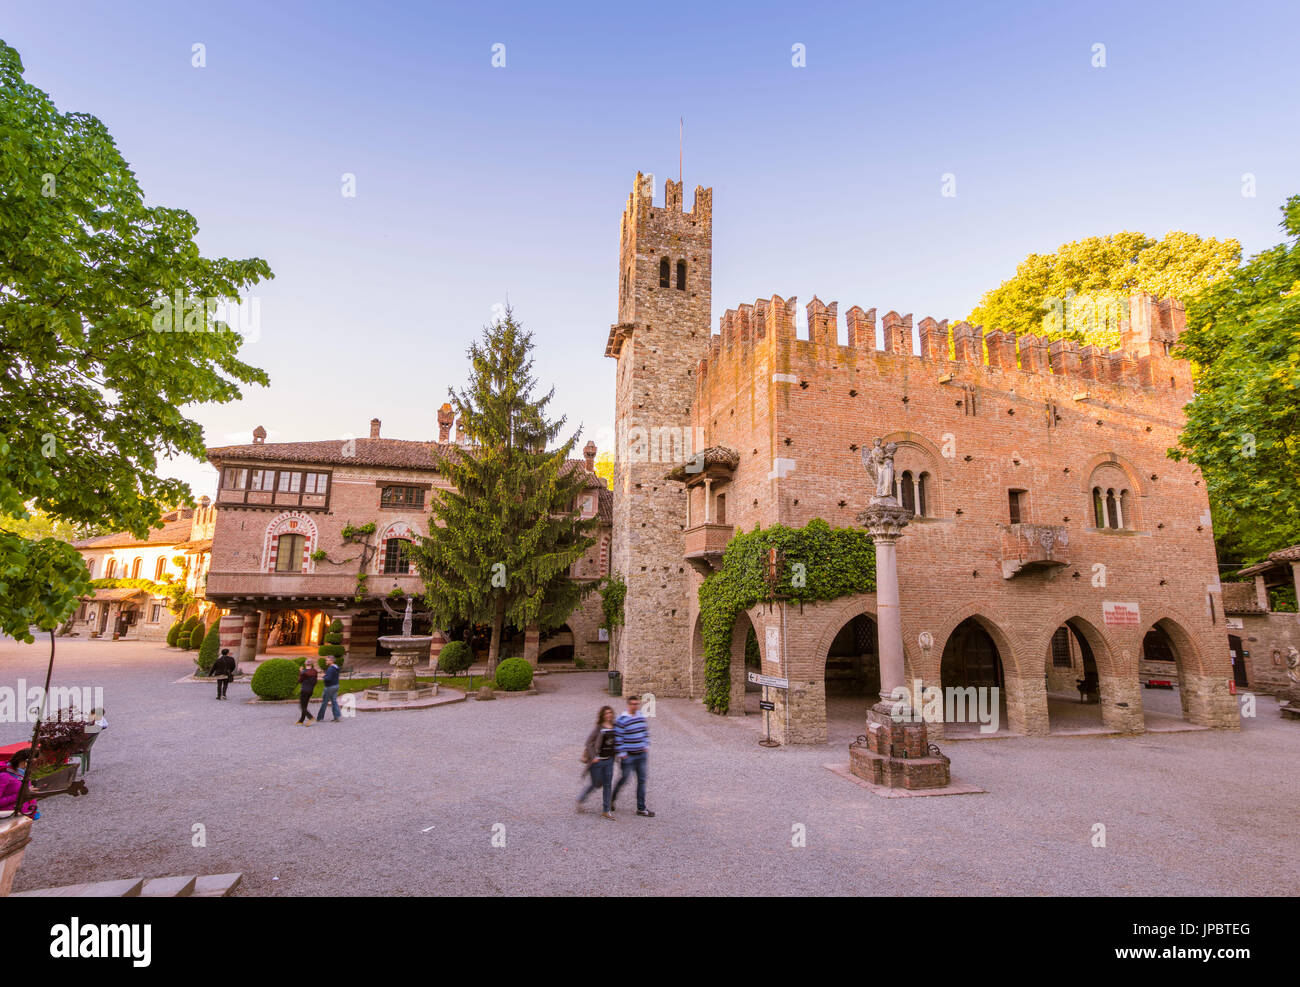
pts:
[409, 650]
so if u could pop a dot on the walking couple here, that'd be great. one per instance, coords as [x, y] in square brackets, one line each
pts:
[307, 685]
[626, 740]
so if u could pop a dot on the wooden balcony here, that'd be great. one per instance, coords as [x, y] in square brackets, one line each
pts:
[705, 544]
[303, 588]
[1033, 547]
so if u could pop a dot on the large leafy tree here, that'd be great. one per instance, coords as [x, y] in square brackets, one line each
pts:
[1243, 426]
[502, 540]
[93, 384]
[1075, 292]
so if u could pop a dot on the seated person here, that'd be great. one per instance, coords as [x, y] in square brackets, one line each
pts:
[11, 780]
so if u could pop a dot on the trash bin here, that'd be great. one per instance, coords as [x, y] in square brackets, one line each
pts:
[615, 683]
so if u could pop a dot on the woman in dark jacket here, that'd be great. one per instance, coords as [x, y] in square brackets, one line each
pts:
[598, 755]
[306, 685]
[224, 671]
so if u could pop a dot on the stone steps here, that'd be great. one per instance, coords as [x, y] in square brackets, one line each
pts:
[189, 886]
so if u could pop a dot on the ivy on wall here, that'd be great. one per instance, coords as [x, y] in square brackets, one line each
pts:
[612, 593]
[820, 563]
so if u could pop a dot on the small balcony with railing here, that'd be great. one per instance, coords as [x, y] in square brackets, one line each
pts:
[1033, 548]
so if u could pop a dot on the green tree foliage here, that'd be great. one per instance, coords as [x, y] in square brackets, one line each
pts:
[821, 563]
[209, 649]
[501, 542]
[91, 393]
[1077, 291]
[1243, 425]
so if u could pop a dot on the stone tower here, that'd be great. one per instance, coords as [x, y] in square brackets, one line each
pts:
[665, 277]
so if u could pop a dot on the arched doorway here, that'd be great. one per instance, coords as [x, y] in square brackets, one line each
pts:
[1163, 668]
[556, 647]
[973, 682]
[1073, 683]
[852, 677]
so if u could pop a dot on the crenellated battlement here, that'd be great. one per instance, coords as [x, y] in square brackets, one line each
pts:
[765, 332]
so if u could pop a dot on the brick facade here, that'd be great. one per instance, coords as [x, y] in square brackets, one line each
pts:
[1007, 438]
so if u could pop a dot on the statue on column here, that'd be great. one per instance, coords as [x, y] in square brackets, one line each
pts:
[879, 461]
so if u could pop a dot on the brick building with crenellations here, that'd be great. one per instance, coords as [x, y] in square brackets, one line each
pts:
[283, 570]
[1056, 551]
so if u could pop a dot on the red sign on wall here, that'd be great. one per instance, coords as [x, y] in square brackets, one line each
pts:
[1121, 614]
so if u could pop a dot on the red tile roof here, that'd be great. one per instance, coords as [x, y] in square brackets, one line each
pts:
[1240, 598]
[171, 533]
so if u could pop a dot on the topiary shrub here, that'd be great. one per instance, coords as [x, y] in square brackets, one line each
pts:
[172, 633]
[514, 675]
[333, 646]
[209, 649]
[455, 657]
[197, 635]
[275, 678]
[186, 632]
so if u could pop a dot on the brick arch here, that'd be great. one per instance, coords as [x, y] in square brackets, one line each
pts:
[290, 522]
[1189, 658]
[1104, 651]
[398, 528]
[1008, 653]
[861, 604]
[938, 466]
[1110, 458]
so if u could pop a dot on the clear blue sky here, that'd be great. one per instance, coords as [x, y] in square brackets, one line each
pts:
[474, 182]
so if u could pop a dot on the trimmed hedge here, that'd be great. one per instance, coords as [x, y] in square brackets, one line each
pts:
[455, 657]
[172, 633]
[209, 649]
[514, 675]
[197, 635]
[275, 678]
[186, 633]
[333, 646]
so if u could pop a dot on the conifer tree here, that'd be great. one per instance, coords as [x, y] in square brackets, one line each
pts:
[502, 540]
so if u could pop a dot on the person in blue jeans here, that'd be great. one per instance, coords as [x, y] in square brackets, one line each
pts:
[598, 755]
[330, 694]
[632, 744]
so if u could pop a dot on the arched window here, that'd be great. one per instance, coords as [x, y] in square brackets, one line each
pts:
[681, 275]
[923, 495]
[135, 567]
[665, 271]
[1098, 508]
[397, 557]
[160, 569]
[1112, 510]
[1126, 508]
[90, 568]
[908, 491]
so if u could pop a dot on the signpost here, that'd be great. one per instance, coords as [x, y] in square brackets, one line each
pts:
[765, 704]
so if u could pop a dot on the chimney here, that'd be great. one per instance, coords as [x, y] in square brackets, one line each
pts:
[589, 450]
[259, 435]
[374, 428]
[445, 418]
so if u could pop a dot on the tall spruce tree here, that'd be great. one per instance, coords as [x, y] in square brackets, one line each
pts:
[501, 542]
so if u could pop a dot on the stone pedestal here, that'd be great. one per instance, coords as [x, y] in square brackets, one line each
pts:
[897, 755]
[15, 834]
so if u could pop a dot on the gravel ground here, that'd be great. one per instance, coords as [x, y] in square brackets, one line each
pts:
[336, 809]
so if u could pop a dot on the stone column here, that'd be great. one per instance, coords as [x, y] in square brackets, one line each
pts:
[248, 638]
[232, 632]
[885, 521]
[263, 630]
[532, 644]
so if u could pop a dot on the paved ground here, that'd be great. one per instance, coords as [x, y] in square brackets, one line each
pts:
[343, 809]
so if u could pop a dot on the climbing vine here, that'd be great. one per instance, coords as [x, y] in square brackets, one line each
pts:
[612, 593]
[353, 535]
[820, 563]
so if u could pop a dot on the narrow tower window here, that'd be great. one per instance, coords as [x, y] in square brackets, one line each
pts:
[681, 275]
[663, 272]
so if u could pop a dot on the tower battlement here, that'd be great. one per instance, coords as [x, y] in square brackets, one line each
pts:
[1141, 369]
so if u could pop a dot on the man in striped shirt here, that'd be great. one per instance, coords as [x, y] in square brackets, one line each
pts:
[632, 746]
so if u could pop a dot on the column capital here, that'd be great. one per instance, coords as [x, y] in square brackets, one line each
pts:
[884, 520]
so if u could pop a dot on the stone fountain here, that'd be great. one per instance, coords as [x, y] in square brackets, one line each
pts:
[408, 651]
